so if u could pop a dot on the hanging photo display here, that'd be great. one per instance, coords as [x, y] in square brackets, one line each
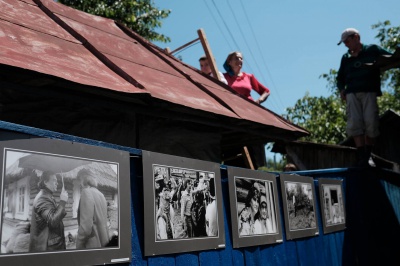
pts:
[183, 205]
[298, 197]
[332, 204]
[61, 201]
[254, 208]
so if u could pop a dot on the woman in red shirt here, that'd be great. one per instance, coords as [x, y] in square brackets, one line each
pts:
[243, 82]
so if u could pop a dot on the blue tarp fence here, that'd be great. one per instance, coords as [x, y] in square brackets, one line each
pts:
[371, 237]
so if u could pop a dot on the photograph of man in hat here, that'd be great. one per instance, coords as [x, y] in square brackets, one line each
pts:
[47, 227]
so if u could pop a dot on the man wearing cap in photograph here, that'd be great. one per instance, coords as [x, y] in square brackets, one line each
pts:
[360, 86]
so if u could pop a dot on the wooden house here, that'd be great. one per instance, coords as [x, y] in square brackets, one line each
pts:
[71, 72]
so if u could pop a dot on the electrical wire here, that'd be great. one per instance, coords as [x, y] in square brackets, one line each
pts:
[218, 24]
[276, 91]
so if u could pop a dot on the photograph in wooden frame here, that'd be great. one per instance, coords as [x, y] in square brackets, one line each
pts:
[254, 206]
[39, 176]
[183, 205]
[332, 206]
[299, 207]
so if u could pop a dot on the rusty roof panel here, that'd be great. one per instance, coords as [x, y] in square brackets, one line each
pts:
[22, 13]
[171, 88]
[157, 76]
[110, 43]
[93, 21]
[252, 112]
[29, 49]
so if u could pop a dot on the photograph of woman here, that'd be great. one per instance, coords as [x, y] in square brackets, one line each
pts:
[255, 206]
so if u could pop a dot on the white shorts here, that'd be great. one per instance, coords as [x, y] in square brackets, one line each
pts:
[362, 114]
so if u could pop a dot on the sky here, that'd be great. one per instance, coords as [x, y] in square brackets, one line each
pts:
[287, 45]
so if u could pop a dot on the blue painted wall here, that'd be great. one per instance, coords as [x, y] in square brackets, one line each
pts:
[372, 201]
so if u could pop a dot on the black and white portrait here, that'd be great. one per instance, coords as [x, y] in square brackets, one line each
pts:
[254, 206]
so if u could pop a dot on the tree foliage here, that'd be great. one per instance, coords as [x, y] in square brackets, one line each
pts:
[325, 117]
[389, 38]
[141, 16]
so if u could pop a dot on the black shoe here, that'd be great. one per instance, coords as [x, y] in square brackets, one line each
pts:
[362, 157]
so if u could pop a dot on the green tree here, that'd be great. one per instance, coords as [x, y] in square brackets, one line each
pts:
[274, 165]
[324, 117]
[141, 16]
[389, 38]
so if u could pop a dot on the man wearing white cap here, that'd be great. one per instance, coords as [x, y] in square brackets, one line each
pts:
[360, 86]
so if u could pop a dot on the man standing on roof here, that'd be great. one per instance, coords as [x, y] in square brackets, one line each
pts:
[360, 86]
[206, 69]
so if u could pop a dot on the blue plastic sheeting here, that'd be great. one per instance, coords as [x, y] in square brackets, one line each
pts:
[372, 202]
[319, 250]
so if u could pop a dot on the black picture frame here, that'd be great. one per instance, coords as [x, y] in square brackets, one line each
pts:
[21, 160]
[163, 177]
[262, 225]
[298, 199]
[332, 205]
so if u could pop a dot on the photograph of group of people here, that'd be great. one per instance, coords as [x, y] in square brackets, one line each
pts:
[52, 203]
[185, 203]
[255, 207]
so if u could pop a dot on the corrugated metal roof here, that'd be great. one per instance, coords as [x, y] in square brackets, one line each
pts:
[50, 38]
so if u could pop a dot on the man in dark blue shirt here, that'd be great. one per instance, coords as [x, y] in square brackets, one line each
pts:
[360, 86]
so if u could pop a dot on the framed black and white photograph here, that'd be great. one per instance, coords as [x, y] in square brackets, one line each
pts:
[332, 204]
[254, 208]
[183, 204]
[61, 203]
[298, 198]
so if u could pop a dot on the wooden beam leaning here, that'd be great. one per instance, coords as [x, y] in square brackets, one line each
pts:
[207, 50]
[247, 158]
[184, 46]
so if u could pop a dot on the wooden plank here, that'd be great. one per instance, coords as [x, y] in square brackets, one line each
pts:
[247, 158]
[208, 52]
[183, 46]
